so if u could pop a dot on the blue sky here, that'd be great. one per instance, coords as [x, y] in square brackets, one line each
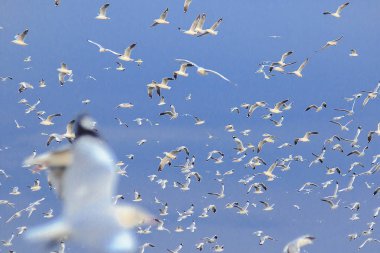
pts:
[59, 34]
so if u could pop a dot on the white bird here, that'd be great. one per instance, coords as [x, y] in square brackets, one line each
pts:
[103, 12]
[192, 30]
[161, 19]
[278, 106]
[182, 70]
[317, 108]
[8, 243]
[127, 53]
[24, 86]
[331, 203]
[172, 113]
[338, 11]
[353, 53]
[342, 127]
[176, 250]
[63, 71]
[220, 194]
[267, 206]
[212, 29]
[367, 241]
[375, 132]
[305, 138]
[18, 125]
[300, 68]
[19, 38]
[296, 245]
[86, 205]
[120, 66]
[144, 246]
[49, 120]
[281, 62]
[371, 94]
[203, 71]
[331, 43]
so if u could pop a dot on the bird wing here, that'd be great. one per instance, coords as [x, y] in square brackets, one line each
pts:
[341, 7]
[128, 51]
[283, 57]
[103, 9]
[164, 14]
[184, 60]
[186, 5]
[216, 24]
[96, 44]
[218, 74]
[303, 65]
[23, 34]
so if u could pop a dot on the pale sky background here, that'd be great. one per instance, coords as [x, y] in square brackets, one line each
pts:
[59, 34]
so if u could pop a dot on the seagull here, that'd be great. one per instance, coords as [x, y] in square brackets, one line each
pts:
[281, 62]
[220, 194]
[367, 241]
[350, 186]
[332, 204]
[103, 12]
[8, 243]
[331, 43]
[212, 29]
[300, 68]
[160, 226]
[317, 108]
[18, 125]
[375, 132]
[119, 66]
[342, 127]
[24, 86]
[127, 53]
[172, 113]
[125, 105]
[267, 206]
[371, 94]
[354, 141]
[269, 171]
[254, 106]
[358, 153]
[164, 83]
[162, 101]
[182, 70]
[277, 107]
[296, 245]
[82, 209]
[144, 246]
[3, 79]
[353, 53]
[103, 49]
[186, 5]
[264, 238]
[171, 156]
[161, 19]
[278, 123]
[48, 121]
[305, 138]
[63, 71]
[176, 250]
[203, 71]
[19, 38]
[244, 209]
[338, 11]
[192, 30]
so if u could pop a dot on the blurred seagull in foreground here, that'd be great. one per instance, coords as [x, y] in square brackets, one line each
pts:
[203, 71]
[296, 245]
[85, 175]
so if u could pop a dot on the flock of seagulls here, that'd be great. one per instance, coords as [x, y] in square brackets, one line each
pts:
[81, 169]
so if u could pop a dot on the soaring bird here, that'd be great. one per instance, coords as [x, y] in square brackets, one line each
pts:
[161, 19]
[103, 12]
[338, 11]
[19, 38]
